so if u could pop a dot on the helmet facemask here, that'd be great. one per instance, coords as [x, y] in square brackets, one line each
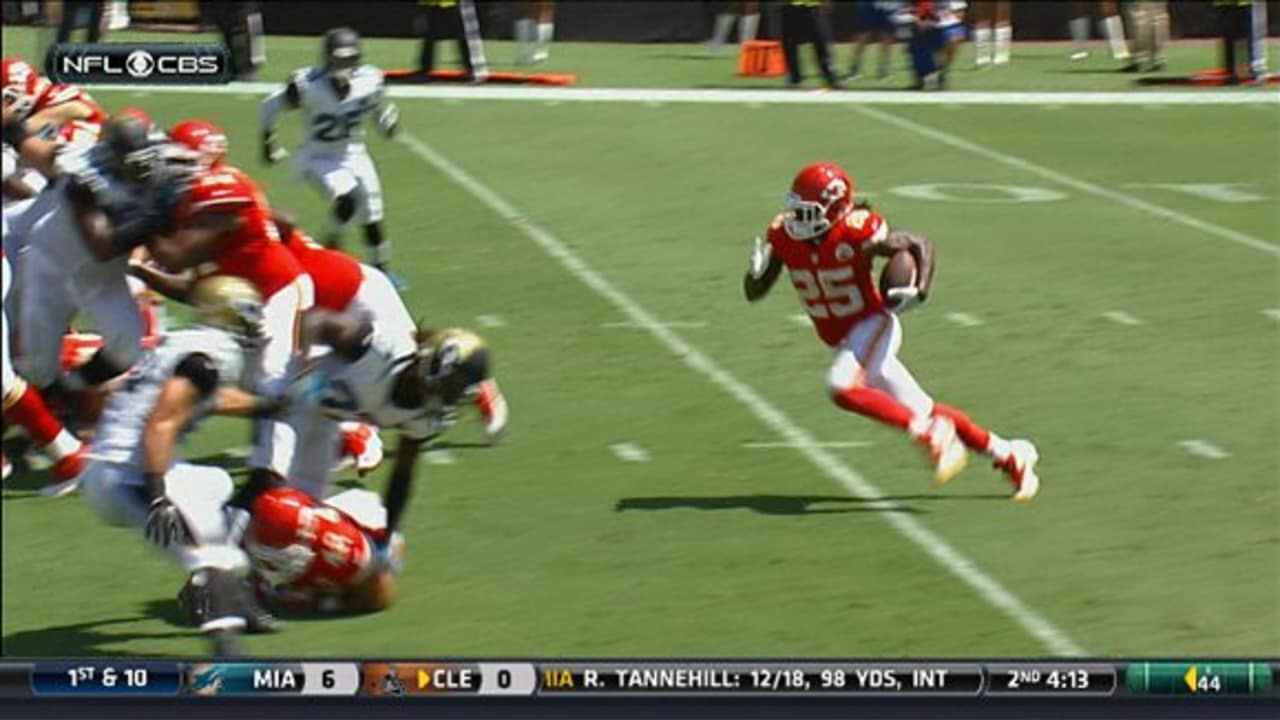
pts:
[806, 219]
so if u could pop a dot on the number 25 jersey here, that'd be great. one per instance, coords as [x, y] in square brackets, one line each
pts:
[335, 122]
[832, 273]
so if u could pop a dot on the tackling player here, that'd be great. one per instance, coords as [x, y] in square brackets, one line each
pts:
[336, 98]
[225, 226]
[334, 555]
[105, 200]
[135, 478]
[827, 243]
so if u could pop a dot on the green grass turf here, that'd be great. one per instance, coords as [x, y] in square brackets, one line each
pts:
[549, 545]
[1035, 66]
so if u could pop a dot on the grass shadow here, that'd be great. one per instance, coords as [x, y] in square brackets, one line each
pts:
[88, 638]
[763, 504]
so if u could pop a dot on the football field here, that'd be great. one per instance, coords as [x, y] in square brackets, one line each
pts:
[675, 480]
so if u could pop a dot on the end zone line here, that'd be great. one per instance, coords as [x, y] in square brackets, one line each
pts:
[1050, 636]
[1084, 186]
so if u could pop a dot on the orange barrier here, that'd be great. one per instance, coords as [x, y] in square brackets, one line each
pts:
[762, 58]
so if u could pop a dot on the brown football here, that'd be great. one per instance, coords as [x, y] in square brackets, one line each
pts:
[900, 271]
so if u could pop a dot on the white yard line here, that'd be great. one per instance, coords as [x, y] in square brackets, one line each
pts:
[630, 452]
[440, 456]
[1084, 186]
[792, 445]
[764, 97]
[964, 319]
[1273, 313]
[1121, 317]
[672, 324]
[1046, 633]
[491, 321]
[1204, 449]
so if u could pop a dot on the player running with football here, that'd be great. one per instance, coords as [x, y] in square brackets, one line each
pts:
[336, 98]
[827, 244]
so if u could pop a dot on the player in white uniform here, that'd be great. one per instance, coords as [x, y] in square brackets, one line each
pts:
[356, 372]
[106, 199]
[135, 477]
[335, 99]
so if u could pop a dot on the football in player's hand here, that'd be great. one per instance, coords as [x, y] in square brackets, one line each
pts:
[899, 272]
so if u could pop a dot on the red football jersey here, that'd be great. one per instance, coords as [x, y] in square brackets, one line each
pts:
[337, 276]
[254, 251]
[307, 544]
[56, 94]
[832, 274]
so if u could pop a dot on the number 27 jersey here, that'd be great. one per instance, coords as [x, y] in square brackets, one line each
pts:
[832, 274]
[335, 122]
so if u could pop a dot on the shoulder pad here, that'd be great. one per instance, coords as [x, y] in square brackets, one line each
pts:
[866, 225]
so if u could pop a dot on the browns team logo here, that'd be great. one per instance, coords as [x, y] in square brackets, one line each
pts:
[844, 252]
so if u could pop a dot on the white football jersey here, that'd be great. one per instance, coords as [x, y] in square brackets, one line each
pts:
[361, 390]
[335, 122]
[119, 435]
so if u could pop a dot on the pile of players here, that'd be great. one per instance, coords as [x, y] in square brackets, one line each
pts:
[105, 212]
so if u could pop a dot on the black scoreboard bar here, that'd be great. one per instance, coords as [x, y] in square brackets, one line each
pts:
[418, 680]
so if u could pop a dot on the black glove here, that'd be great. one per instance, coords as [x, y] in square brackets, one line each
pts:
[166, 526]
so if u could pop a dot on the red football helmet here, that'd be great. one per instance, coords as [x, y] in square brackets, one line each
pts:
[294, 539]
[205, 138]
[22, 85]
[279, 535]
[820, 196]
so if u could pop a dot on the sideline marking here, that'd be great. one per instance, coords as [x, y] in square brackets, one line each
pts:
[630, 452]
[1204, 449]
[767, 97]
[1121, 317]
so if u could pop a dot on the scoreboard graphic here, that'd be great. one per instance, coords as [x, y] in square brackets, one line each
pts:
[423, 679]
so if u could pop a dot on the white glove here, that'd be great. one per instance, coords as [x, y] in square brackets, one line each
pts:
[389, 119]
[760, 256]
[903, 299]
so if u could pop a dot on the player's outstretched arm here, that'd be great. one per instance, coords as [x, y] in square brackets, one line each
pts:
[397, 496]
[762, 273]
[195, 377]
[286, 98]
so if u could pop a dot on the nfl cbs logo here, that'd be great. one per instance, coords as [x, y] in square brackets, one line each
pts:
[117, 63]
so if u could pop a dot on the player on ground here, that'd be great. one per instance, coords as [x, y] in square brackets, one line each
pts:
[828, 243]
[136, 479]
[333, 555]
[336, 98]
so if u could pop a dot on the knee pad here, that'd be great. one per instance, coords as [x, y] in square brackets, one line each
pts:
[344, 207]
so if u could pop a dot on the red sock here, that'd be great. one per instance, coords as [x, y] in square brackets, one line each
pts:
[971, 433]
[874, 403]
[30, 412]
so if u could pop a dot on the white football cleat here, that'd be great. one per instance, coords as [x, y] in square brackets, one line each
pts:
[1020, 467]
[493, 409]
[945, 449]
